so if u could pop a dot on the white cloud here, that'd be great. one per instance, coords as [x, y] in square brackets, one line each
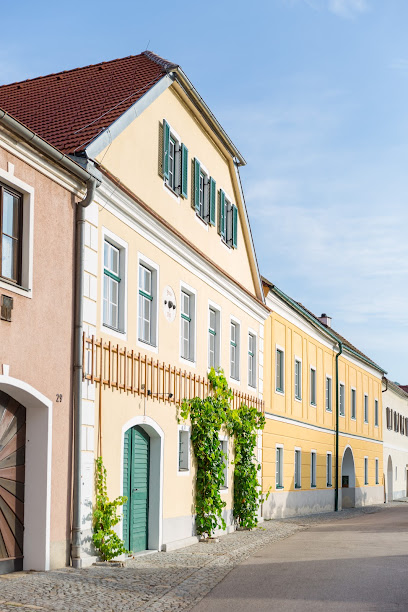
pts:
[349, 9]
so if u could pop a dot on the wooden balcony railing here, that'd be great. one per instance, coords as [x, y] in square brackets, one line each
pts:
[125, 370]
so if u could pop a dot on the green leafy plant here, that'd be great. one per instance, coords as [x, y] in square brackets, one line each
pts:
[244, 423]
[105, 517]
[207, 417]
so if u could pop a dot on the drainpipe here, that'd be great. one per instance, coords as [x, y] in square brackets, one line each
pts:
[336, 491]
[78, 369]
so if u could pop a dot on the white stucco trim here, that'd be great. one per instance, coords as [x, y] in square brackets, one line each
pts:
[156, 434]
[38, 460]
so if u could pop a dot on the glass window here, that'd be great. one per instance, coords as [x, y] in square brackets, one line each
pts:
[145, 305]
[298, 467]
[202, 208]
[224, 448]
[279, 370]
[313, 386]
[234, 350]
[11, 235]
[251, 360]
[212, 339]
[353, 403]
[365, 408]
[376, 472]
[342, 400]
[328, 394]
[184, 454]
[376, 413]
[111, 285]
[313, 469]
[329, 469]
[366, 470]
[298, 379]
[187, 345]
[172, 164]
[279, 467]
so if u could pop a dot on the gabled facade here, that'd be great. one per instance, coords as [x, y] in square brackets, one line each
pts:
[395, 419]
[171, 283]
[312, 374]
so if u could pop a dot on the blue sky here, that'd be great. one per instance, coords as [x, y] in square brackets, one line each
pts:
[314, 94]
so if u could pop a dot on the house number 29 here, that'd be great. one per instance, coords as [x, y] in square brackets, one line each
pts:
[59, 397]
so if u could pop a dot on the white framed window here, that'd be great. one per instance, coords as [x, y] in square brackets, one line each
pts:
[313, 386]
[148, 283]
[298, 378]
[174, 161]
[280, 370]
[328, 393]
[365, 408]
[224, 448]
[342, 400]
[376, 412]
[114, 287]
[329, 469]
[187, 323]
[235, 330]
[214, 335]
[204, 194]
[313, 468]
[353, 403]
[298, 468]
[366, 470]
[183, 463]
[377, 480]
[252, 359]
[22, 282]
[279, 466]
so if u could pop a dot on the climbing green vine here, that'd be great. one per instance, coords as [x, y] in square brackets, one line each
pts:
[105, 517]
[207, 417]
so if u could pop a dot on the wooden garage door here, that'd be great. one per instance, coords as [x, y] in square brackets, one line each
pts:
[12, 460]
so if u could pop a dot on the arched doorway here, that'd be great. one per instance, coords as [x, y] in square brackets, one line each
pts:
[37, 471]
[12, 472]
[390, 492]
[348, 479]
[142, 473]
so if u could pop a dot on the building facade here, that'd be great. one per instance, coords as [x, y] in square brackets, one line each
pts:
[171, 284]
[299, 441]
[395, 419]
[38, 190]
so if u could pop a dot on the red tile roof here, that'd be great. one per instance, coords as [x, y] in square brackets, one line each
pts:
[404, 388]
[69, 109]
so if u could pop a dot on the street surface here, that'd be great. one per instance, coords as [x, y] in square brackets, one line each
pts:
[359, 564]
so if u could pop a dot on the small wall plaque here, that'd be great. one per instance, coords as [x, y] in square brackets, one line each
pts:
[6, 307]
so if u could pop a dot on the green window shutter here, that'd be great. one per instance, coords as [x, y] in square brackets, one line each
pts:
[213, 193]
[234, 226]
[166, 148]
[184, 170]
[221, 216]
[197, 185]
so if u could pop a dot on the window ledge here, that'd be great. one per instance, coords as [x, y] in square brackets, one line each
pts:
[298, 486]
[329, 410]
[279, 392]
[298, 399]
[313, 486]
[342, 415]
[329, 486]
[313, 404]
[280, 487]
[15, 288]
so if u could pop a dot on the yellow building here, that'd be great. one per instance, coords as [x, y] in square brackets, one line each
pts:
[171, 285]
[322, 443]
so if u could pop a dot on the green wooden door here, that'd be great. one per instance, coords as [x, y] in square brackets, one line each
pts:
[136, 488]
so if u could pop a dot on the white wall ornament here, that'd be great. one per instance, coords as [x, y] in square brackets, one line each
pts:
[169, 304]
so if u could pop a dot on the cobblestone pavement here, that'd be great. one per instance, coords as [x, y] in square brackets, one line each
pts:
[159, 582]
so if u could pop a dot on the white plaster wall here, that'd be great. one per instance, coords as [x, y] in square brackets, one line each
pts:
[395, 444]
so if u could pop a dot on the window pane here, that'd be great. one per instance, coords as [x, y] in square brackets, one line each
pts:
[212, 319]
[9, 258]
[10, 214]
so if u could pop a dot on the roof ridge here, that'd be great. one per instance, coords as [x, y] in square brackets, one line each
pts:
[168, 66]
[71, 70]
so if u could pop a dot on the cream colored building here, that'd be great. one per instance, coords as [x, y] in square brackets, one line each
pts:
[171, 284]
[395, 419]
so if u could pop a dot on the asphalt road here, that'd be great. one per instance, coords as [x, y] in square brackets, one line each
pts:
[358, 564]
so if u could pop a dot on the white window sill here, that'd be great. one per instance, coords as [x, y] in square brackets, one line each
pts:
[117, 333]
[171, 192]
[183, 472]
[224, 490]
[201, 221]
[147, 347]
[188, 362]
[18, 289]
[298, 399]
[279, 392]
